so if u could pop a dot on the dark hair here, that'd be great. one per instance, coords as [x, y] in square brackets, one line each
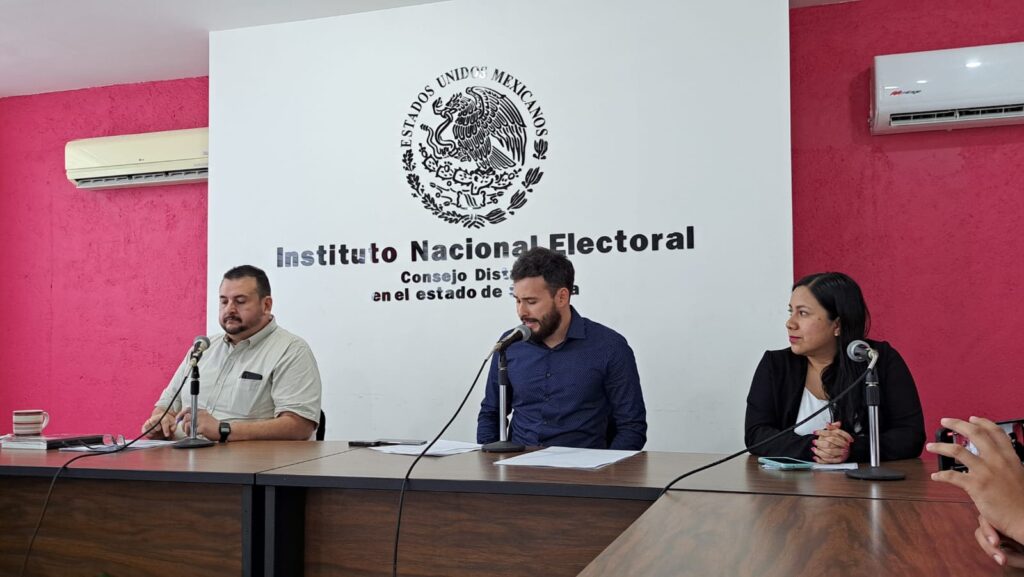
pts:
[841, 297]
[249, 271]
[553, 266]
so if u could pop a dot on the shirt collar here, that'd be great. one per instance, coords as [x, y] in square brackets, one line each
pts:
[577, 328]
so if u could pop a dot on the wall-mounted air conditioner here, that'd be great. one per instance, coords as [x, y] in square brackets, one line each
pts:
[153, 158]
[947, 89]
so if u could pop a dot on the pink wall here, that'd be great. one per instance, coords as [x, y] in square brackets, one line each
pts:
[103, 290]
[929, 223]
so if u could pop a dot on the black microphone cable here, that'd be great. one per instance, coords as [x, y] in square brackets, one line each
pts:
[53, 482]
[405, 480]
[830, 405]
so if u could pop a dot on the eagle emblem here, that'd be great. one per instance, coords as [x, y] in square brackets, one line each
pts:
[473, 166]
[486, 129]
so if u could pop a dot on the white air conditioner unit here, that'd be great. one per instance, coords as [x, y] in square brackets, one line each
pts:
[947, 89]
[153, 158]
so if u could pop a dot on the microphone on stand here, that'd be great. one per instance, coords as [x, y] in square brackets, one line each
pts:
[503, 444]
[199, 345]
[859, 352]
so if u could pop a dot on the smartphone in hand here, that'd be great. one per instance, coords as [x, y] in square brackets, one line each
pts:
[1014, 429]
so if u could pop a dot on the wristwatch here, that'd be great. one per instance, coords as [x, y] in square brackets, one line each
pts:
[225, 430]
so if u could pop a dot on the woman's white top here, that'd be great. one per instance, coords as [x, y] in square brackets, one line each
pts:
[808, 404]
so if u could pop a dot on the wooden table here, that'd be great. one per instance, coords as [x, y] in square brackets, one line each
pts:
[466, 516]
[779, 525]
[704, 533]
[293, 508]
[152, 512]
[463, 515]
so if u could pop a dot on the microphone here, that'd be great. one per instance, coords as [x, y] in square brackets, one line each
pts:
[193, 441]
[198, 347]
[859, 351]
[520, 333]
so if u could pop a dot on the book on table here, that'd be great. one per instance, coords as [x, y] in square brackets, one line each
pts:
[44, 443]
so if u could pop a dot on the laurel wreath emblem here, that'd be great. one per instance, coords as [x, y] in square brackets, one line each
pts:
[472, 183]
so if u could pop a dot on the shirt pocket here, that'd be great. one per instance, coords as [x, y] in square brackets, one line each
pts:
[247, 398]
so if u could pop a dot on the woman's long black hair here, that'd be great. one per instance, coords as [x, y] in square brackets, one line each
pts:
[841, 297]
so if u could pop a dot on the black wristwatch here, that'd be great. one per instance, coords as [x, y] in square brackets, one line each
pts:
[225, 430]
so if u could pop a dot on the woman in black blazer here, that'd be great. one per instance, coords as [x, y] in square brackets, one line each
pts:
[828, 312]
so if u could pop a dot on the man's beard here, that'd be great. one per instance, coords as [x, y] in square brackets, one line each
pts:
[239, 327]
[548, 325]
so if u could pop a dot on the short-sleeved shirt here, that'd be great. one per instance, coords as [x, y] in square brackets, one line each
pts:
[267, 374]
[585, 392]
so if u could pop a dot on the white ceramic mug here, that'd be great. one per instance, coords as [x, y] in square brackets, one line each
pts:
[30, 422]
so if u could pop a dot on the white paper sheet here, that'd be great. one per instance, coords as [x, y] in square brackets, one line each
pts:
[140, 444]
[568, 458]
[834, 467]
[440, 449]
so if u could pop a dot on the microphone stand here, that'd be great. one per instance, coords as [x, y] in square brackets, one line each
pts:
[502, 445]
[193, 441]
[873, 396]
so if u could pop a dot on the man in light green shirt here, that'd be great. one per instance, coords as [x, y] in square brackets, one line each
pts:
[258, 381]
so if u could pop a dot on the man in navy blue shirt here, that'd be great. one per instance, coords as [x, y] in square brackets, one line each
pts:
[574, 383]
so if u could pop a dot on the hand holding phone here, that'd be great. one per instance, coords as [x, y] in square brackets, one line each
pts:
[994, 478]
[1014, 430]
